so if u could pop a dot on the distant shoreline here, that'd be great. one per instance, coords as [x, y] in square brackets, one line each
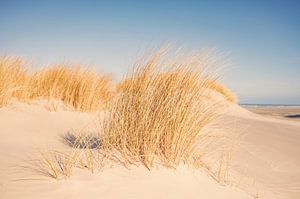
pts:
[283, 111]
[270, 105]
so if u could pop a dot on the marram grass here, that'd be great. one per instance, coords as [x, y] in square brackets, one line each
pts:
[12, 79]
[160, 112]
[157, 116]
[224, 91]
[83, 89]
[75, 86]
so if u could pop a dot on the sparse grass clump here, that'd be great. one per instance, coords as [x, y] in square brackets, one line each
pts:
[56, 164]
[161, 112]
[61, 165]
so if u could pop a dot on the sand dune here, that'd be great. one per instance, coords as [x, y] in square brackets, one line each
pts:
[265, 162]
[268, 153]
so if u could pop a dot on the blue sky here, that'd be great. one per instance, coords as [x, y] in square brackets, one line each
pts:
[262, 38]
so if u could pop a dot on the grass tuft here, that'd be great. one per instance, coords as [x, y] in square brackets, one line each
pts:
[12, 79]
[162, 109]
[82, 89]
[54, 164]
[226, 92]
[161, 113]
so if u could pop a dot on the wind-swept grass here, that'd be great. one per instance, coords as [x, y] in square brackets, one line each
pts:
[226, 92]
[53, 164]
[160, 114]
[12, 79]
[214, 86]
[83, 89]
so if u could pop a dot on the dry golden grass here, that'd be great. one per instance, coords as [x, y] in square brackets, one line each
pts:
[213, 84]
[161, 112]
[83, 89]
[53, 164]
[13, 78]
[56, 164]
[158, 116]
[222, 89]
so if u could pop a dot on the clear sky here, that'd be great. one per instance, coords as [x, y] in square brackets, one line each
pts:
[262, 37]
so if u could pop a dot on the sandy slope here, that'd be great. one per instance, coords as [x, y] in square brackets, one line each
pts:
[267, 154]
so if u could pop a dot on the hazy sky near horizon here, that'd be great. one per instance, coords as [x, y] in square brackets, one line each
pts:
[262, 38]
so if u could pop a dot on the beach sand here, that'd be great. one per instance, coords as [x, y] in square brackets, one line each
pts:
[268, 152]
[265, 162]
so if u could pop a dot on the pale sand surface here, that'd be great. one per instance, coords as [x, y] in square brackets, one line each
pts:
[265, 162]
[268, 153]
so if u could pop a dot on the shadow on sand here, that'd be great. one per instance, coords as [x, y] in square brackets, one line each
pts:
[79, 141]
